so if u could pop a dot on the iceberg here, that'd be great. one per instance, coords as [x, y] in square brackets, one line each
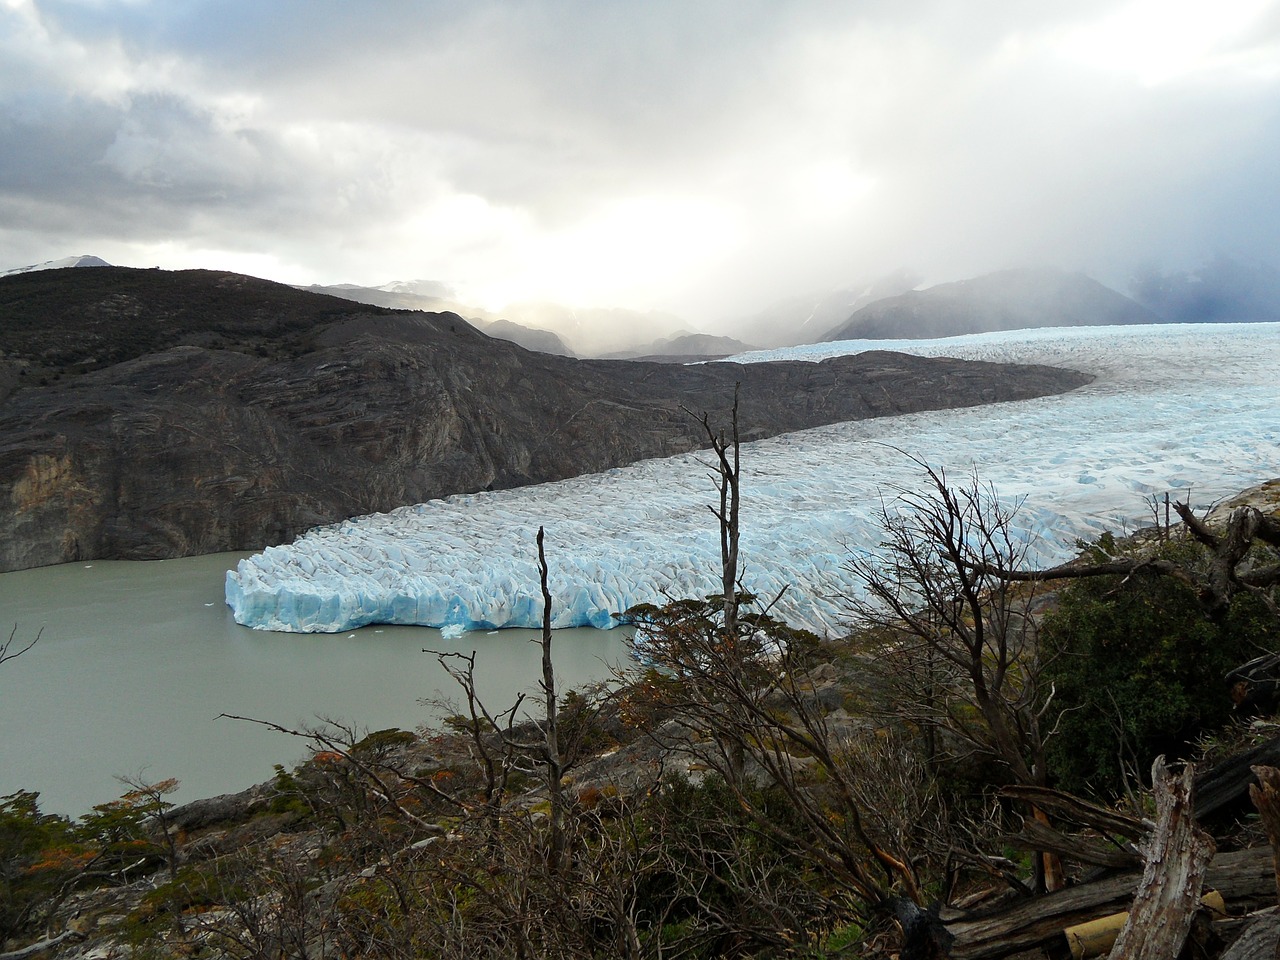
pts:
[1189, 409]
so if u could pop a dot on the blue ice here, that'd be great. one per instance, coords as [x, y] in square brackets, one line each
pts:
[1177, 408]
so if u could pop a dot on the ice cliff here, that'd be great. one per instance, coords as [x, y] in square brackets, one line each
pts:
[1193, 409]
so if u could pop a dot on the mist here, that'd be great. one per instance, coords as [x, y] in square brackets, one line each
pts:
[698, 161]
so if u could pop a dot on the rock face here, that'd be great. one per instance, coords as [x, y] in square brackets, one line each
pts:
[148, 414]
[1008, 300]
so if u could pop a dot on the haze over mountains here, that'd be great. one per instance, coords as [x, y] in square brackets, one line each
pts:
[1009, 300]
[893, 306]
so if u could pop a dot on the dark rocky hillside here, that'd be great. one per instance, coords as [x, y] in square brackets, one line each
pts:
[154, 414]
[1008, 300]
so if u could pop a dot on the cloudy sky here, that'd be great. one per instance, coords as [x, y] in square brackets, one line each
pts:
[697, 156]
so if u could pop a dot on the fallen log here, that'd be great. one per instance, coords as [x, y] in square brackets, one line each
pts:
[1259, 941]
[1095, 851]
[1229, 782]
[1074, 809]
[1097, 937]
[1245, 878]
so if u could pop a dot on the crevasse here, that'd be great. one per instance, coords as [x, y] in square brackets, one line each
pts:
[1192, 409]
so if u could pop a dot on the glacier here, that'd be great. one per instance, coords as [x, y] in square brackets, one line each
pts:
[1189, 409]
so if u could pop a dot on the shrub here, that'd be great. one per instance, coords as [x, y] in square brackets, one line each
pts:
[37, 856]
[1138, 670]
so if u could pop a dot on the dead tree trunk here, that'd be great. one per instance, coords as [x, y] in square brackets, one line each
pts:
[1177, 854]
[1265, 795]
[551, 726]
[728, 470]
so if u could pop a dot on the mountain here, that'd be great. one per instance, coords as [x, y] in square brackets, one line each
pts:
[587, 331]
[1008, 300]
[147, 413]
[400, 295]
[439, 298]
[597, 331]
[531, 338]
[805, 319]
[81, 261]
[685, 348]
[1224, 289]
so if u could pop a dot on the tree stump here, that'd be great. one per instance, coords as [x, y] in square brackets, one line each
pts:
[1176, 856]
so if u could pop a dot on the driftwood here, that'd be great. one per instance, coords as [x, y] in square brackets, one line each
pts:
[1103, 851]
[1097, 937]
[1246, 877]
[1241, 876]
[1176, 857]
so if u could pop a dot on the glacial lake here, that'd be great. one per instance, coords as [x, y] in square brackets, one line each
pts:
[137, 660]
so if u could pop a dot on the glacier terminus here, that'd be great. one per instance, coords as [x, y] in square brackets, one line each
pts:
[1191, 409]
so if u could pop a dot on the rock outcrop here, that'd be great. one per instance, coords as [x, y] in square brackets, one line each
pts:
[148, 414]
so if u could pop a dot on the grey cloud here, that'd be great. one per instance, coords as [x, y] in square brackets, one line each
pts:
[979, 159]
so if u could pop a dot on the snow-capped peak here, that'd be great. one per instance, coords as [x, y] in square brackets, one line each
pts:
[85, 260]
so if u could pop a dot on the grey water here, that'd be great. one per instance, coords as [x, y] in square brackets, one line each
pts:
[137, 660]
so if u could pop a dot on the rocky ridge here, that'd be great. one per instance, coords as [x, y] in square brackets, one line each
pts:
[149, 414]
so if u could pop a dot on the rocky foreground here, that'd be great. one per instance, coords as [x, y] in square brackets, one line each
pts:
[151, 414]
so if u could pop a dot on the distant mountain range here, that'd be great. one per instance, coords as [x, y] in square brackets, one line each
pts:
[890, 307]
[1008, 300]
[684, 348]
[1224, 289]
[807, 319]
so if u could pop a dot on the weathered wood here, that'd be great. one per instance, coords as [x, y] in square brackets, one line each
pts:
[1075, 810]
[1096, 851]
[1176, 854]
[1228, 782]
[69, 936]
[1097, 937]
[1243, 877]
[924, 937]
[1260, 939]
[1265, 795]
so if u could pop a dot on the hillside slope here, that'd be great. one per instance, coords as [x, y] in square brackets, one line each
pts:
[150, 414]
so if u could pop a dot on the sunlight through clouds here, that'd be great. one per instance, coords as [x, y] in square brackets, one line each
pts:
[1161, 42]
[703, 160]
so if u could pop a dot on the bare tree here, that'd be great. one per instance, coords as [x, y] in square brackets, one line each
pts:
[1233, 566]
[7, 650]
[953, 636]
[726, 667]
